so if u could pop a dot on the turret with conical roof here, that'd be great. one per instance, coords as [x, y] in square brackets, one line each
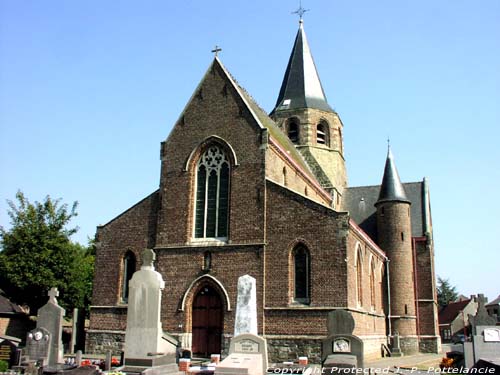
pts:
[394, 237]
[392, 189]
[304, 114]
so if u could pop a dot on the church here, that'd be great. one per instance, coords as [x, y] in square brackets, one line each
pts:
[242, 192]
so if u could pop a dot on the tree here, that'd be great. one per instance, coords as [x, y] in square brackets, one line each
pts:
[37, 254]
[446, 293]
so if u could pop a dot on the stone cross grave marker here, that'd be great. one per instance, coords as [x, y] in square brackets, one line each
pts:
[45, 341]
[146, 344]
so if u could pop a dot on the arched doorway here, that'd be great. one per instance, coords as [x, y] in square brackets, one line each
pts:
[207, 322]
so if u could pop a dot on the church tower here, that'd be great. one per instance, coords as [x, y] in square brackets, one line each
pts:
[394, 237]
[303, 113]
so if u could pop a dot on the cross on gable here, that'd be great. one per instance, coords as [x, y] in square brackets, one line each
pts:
[216, 50]
[53, 293]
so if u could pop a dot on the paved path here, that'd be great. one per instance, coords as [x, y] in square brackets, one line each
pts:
[411, 364]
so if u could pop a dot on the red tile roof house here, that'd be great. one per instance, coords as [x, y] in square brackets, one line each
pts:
[14, 320]
[454, 317]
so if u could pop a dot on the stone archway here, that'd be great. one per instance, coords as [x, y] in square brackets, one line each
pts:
[201, 302]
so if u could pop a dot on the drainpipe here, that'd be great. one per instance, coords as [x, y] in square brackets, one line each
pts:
[388, 296]
[415, 282]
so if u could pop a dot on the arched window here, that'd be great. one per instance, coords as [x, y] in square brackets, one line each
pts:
[301, 275]
[359, 280]
[212, 194]
[372, 285]
[293, 131]
[128, 264]
[322, 137]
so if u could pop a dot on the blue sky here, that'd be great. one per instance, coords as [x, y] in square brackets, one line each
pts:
[89, 89]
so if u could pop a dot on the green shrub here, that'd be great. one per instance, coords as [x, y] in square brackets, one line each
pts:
[4, 365]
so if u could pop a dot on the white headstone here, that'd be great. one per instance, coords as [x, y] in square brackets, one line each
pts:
[144, 334]
[246, 306]
[50, 318]
[247, 352]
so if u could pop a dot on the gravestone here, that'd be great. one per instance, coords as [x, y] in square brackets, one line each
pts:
[485, 344]
[146, 345]
[247, 351]
[9, 351]
[45, 341]
[38, 346]
[341, 349]
[396, 345]
[246, 306]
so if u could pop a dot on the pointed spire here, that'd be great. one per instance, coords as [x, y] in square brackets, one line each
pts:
[391, 189]
[301, 87]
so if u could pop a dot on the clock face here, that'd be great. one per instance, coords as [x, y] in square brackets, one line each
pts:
[38, 335]
[341, 346]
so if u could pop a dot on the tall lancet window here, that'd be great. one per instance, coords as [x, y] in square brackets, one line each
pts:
[128, 271]
[301, 274]
[372, 285]
[212, 194]
[359, 280]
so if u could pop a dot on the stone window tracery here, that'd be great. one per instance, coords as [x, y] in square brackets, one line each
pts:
[212, 194]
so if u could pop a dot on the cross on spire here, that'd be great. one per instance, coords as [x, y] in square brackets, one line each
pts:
[300, 11]
[53, 293]
[216, 50]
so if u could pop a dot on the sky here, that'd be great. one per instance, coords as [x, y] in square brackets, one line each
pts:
[89, 89]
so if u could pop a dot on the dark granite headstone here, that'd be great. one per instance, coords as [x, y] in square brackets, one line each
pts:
[9, 351]
[341, 349]
[340, 322]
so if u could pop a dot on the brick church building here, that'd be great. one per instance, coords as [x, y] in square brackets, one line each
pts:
[246, 192]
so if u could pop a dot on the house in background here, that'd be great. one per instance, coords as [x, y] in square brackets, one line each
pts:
[493, 308]
[14, 319]
[454, 318]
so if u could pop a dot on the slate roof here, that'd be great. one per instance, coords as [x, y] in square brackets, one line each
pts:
[301, 84]
[8, 307]
[265, 121]
[450, 312]
[391, 189]
[360, 203]
[496, 301]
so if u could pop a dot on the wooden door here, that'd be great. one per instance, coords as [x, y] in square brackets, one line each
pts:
[207, 322]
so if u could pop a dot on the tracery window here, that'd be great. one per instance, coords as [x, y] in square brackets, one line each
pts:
[301, 274]
[128, 264]
[212, 194]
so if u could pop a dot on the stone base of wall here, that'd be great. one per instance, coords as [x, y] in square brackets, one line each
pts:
[409, 345]
[99, 342]
[430, 344]
[280, 349]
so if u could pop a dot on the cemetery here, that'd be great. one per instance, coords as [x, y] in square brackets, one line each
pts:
[149, 350]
